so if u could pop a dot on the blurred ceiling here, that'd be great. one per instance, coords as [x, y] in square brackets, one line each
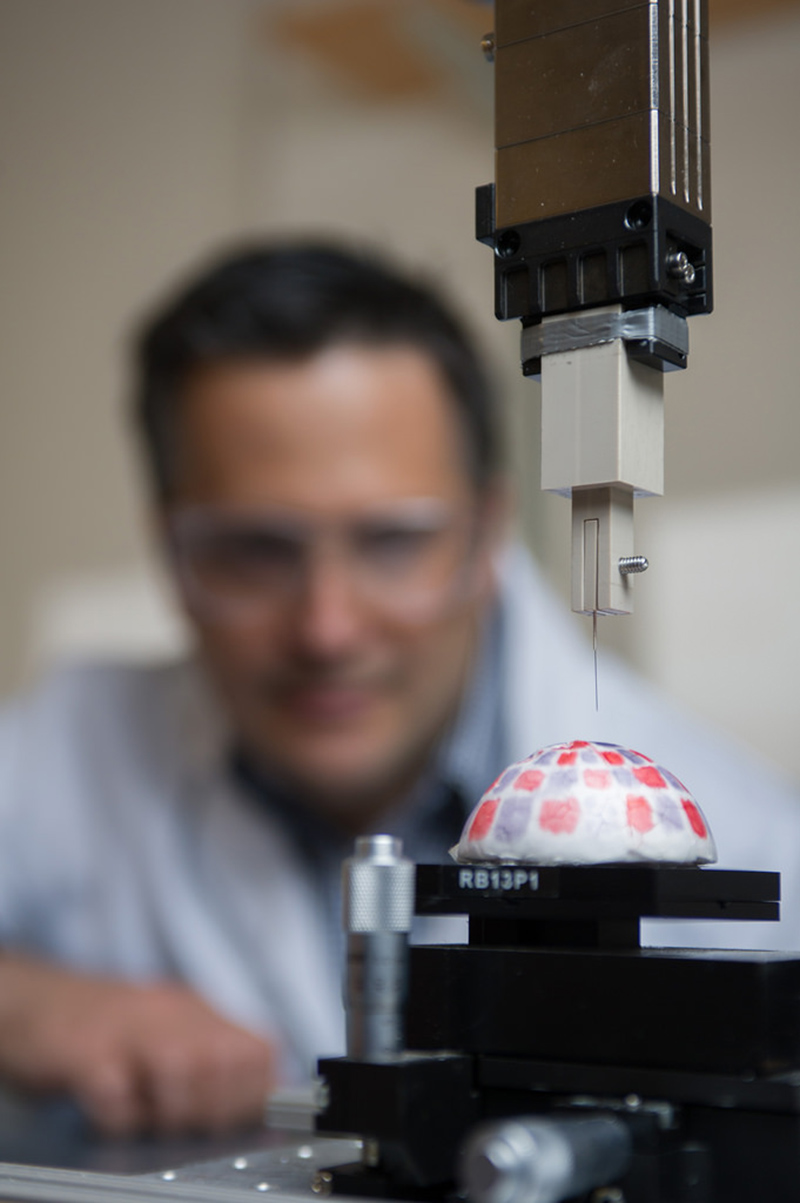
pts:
[727, 11]
[383, 50]
[387, 51]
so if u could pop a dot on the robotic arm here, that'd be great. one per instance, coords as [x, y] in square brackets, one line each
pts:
[599, 221]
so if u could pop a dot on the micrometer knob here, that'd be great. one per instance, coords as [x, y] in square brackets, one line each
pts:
[378, 909]
[378, 886]
[543, 1160]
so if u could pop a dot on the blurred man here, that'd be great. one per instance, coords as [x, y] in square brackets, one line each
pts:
[322, 443]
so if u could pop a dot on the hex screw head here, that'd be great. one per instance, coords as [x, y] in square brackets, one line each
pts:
[680, 267]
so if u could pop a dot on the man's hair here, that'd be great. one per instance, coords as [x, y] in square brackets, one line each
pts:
[289, 302]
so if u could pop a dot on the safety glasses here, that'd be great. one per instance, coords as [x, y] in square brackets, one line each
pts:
[407, 560]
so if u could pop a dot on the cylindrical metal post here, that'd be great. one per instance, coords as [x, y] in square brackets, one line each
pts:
[378, 905]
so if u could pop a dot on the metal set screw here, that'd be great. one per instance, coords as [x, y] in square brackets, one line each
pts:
[631, 564]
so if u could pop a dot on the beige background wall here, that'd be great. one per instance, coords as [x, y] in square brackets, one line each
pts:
[137, 134]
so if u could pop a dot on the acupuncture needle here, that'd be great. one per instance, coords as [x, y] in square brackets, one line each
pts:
[591, 585]
[594, 652]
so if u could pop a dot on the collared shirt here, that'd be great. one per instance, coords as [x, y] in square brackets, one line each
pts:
[429, 820]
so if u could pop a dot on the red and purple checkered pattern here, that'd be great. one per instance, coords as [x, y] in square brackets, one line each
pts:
[585, 803]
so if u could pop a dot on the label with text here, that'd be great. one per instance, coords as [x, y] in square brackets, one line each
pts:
[513, 878]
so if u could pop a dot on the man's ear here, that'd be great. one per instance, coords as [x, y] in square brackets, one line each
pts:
[157, 527]
[495, 510]
[157, 520]
[157, 523]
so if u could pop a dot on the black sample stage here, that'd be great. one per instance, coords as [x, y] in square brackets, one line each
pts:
[554, 1009]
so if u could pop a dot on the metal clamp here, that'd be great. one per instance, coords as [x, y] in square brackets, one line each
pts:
[653, 326]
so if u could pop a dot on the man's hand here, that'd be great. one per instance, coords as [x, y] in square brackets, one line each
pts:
[134, 1057]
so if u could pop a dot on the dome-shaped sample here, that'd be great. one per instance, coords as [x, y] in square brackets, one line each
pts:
[585, 803]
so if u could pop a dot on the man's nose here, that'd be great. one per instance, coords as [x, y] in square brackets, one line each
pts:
[330, 617]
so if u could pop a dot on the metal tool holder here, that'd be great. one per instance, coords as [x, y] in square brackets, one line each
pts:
[599, 219]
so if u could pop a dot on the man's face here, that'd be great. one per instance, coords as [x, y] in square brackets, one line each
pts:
[340, 618]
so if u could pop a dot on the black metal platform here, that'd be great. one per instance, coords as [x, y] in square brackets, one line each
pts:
[716, 1012]
[596, 891]
[554, 970]
[587, 907]
[554, 1008]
